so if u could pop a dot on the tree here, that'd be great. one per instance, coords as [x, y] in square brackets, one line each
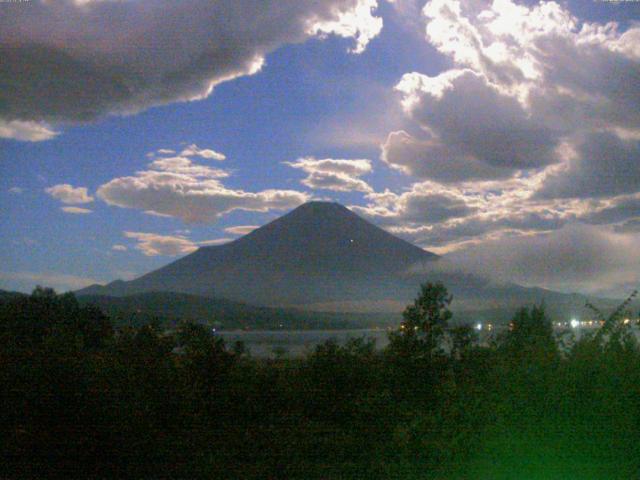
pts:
[424, 322]
[463, 337]
[530, 335]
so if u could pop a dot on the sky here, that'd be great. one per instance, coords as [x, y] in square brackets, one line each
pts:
[504, 135]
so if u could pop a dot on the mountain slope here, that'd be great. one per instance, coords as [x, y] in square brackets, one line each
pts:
[323, 257]
[319, 252]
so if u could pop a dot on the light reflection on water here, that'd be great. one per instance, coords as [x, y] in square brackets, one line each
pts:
[298, 343]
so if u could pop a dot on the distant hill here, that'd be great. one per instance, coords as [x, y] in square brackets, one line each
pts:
[7, 295]
[169, 307]
[323, 257]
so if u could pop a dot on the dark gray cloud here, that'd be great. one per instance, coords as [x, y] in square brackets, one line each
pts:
[431, 159]
[576, 257]
[475, 121]
[65, 60]
[605, 165]
[419, 206]
[630, 226]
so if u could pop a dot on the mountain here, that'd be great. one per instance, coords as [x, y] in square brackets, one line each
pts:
[319, 252]
[321, 256]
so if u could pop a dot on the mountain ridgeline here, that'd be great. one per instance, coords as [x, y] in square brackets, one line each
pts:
[321, 256]
[319, 252]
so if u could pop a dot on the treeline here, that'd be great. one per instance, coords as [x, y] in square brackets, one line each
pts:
[82, 399]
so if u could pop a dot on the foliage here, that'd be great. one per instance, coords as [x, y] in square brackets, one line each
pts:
[80, 399]
[424, 322]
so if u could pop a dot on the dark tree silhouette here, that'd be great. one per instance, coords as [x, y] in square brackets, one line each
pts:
[424, 322]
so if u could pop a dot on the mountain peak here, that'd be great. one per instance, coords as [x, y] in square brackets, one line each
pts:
[320, 207]
[318, 251]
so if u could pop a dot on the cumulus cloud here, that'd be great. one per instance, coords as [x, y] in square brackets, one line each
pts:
[432, 159]
[241, 229]
[193, 150]
[153, 244]
[177, 187]
[68, 194]
[76, 210]
[76, 61]
[424, 204]
[527, 80]
[528, 131]
[334, 174]
[604, 165]
[472, 122]
[26, 131]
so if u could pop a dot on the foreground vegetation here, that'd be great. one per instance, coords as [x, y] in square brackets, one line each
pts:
[80, 399]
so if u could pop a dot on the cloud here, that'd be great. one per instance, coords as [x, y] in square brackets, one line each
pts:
[193, 150]
[68, 194]
[630, 226]
[16, 190]
[76, 210]
[604, 165]
[153, 244]
[577, 257]
[424, 204]
[356, 22]
[528, 130]
[25, 131]
[334, 174]
[241, 229]
[76, 61]
[431, 159]
[527, 83]
[119, 248]
[177, 187]
[472, 122]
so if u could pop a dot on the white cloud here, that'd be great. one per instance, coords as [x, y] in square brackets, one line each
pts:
[119, 248]
[76, 210]
[358, 23]
[153, 244]
[110, 57]
[16, 190]
[26, 131]
[241, 229]
[68, 194]
[177, 187]
[528, 131]
[193, 150]
[334, 174]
